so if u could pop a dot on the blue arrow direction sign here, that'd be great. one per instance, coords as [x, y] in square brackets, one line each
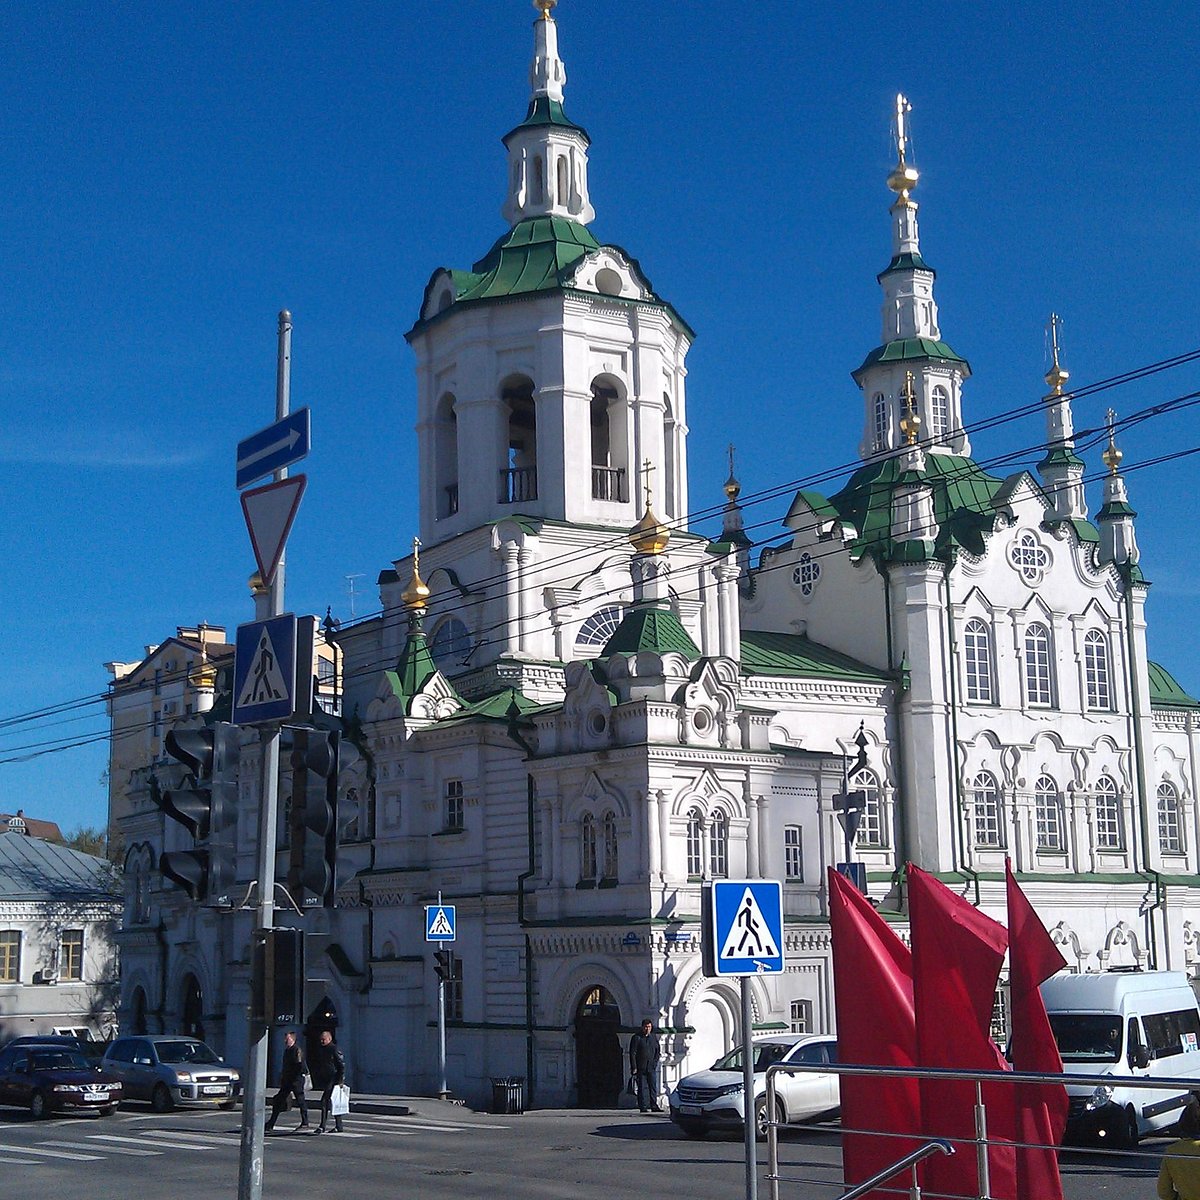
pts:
[273, 448]
[439, 923]
[264, 671]
[747, 927]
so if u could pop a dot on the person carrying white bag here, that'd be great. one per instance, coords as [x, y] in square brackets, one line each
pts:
[329, 1065]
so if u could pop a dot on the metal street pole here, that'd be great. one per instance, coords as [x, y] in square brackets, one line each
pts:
[748, 1114]
[250, 1161]
[443, 1090]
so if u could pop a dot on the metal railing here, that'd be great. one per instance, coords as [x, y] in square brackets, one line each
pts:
[451, 499]
[908, 1162]
[518, 484]
[608, 483]
[1181, 1085]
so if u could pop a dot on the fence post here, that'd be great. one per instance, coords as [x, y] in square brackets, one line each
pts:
[981, 1148]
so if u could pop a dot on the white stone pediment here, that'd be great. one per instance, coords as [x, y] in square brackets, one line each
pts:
[1020, 495]
[439, 294]
[609, 272]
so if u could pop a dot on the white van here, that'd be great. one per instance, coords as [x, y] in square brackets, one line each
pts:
[1121, 1024]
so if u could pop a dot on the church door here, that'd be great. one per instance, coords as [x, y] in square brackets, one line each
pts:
[599, 1063]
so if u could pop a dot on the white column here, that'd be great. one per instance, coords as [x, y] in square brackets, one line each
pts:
[654, 834]
[524, 558]
[752, 851]
[512, 602]
[664, 833]
[760, 805]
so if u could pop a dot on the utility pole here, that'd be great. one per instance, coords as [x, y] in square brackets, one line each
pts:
[250, 1162]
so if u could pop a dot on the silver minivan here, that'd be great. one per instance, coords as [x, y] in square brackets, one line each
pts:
[171, 1069]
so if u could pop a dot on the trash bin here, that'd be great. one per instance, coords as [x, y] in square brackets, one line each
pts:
[508, 1096]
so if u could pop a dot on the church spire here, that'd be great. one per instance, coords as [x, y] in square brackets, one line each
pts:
[547, 152]
[1062, 469]
[1118, 541]
[912, 337]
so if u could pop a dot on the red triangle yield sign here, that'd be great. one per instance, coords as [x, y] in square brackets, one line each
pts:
[270, 511]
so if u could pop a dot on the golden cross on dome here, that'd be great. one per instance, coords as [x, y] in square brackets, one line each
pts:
[730, 460]
[903, 108]
[910, 425]
[647, 468]
[416, 553]
[544, 7]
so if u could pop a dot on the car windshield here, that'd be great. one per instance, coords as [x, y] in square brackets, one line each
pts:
[765, 1053]
[1087, 1037]
[58, 1060]
[185, 1052]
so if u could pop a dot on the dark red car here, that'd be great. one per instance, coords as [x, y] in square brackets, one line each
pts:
[49, 1078]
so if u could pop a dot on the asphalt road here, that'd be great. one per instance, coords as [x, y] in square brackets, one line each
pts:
[443, 1151]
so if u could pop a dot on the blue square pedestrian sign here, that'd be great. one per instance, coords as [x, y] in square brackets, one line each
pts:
[264, 671]
[747, 927]
[439, 922]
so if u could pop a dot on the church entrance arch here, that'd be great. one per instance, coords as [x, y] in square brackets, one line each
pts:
[137, 1019]
[599, 1065]
[192, 1007]
[323, 1017]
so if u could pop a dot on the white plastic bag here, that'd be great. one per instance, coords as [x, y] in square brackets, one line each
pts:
[339, 1100]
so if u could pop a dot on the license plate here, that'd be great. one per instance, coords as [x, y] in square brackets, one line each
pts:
[690, 1110]
[95, 1095]
[214, 1089]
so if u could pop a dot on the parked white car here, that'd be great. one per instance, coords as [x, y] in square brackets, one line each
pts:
[713, 1099]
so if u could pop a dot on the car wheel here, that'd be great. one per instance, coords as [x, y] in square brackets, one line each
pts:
[760, 1117]
[160, 1098]
[228, 1104]
[38, 1108]
[107, 1110]
[1128, 1134]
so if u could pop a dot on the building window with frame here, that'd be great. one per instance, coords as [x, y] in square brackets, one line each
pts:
[587, 848]
[454, 806]
[452, 993]
[977, 659]
[610, 845]
[1096, 674]
[939, 414]
[695, 844]
[793, 853]
[1048, 815]
[451, 645]
[718, 845]
[10, 956]
[1039, 684]
[989, 815]
[1170, 827]
[879, 418]
[70, 956]
[1110, 832]
[1000, 1013]
[599, 627]
[800, 1016]
[871, 831]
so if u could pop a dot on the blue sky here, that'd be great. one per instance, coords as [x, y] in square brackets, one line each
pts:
[172, 175]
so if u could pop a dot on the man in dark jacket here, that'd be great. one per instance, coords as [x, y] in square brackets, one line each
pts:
[644, 1055]
[329, 1065]
[291, 1082]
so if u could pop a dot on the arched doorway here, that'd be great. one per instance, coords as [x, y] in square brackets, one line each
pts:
[192, 1007]
[323, 1017]
[599, 1066]
[138, 1017]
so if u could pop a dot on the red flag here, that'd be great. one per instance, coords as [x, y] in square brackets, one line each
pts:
[872, 980]
[957, 956]
[1041, 1108]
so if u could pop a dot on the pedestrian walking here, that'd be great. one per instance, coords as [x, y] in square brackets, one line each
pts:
[644, 1056]
[291, 1082]
[329, 1065]
[1179, 1178]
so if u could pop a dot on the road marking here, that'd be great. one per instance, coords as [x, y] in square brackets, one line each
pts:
[429, 1128]
[158, 1141]
[207, 1138]
[110, 1149]
[54, 1154]
[418, 1123]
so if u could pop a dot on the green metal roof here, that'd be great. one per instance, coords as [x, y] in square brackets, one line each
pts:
[768, 653]
[530, 257]
[1061, 456]
[1114, 510]
[656, 629]
[499, 706]
[1165, 692]
[544, 111]
[910, 350]
[414, 669]
[906, 262]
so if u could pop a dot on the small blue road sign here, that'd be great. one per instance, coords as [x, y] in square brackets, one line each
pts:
[439, 922]
[273, 448]
[747, 930]
[264, 671]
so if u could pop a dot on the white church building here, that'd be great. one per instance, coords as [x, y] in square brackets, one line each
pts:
[574, 711]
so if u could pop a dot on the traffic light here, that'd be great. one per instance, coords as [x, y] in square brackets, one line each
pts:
[443, 964]
[207, 808]
[313, 819]
[277, 979]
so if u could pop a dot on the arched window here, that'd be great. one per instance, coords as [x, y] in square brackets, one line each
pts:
[1170, 827]
[989, 817]
[445, 435]
[599, 627]
[718, 845]
[871, 831]
[1048, 815]
[695, 844]
[518, 476]
[451, 644]
[1095, 666]
[939, 414]
[670, 450]
[1110, 828]
[1039, 688]
[610, 845]
[609, 441]
[977, 659]
[587, 847]
[538, 191]
[879, 419]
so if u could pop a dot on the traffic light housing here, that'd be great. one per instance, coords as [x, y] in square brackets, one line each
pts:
[277, 988]
[207, 808]
[443, 964]
[313, 818]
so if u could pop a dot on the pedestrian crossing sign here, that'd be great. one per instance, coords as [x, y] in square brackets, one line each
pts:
[439, 923]
[264, 671]
[747, 927]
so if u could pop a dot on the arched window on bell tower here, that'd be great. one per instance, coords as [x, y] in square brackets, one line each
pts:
[670, 449]
[518, 476]
[608, 414]
[538, 191]
[446, 456]
[564, 184]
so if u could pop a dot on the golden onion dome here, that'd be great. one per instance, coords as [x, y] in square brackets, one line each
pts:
[416, 595]
[1112, 457]
[649, 535]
